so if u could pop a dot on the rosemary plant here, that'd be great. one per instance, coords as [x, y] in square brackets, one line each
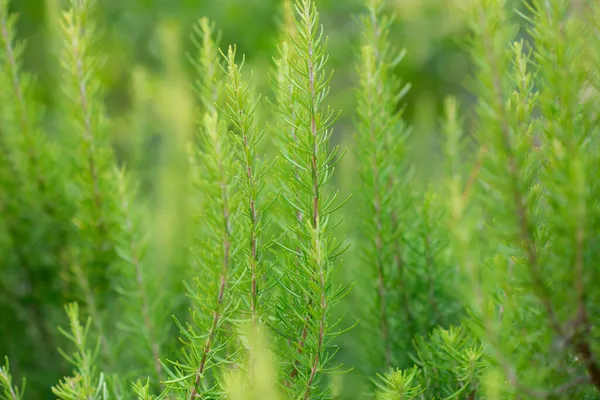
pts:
[143, 305]
[92, 252]
[402, 235]
[107, 253]
[208, 335]
[381, 142]
[246, 137]
[533, 199]
[308, 275]
[483, 287]
[33, 211]
[398, 385]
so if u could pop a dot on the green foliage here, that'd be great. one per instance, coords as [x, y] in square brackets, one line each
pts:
[309, 293]
[142, 391]
[398, 384]
[89, 168]
[86, 382]
[402, 241]
[239, 111]
[10, 391]
[219, 242]
[449, 364]
[32, 214]
[381, 140]
[533, 202]
[482, 285]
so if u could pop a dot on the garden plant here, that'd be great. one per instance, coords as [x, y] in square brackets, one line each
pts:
[242, 271]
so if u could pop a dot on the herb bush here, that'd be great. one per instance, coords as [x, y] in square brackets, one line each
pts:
[233, 283]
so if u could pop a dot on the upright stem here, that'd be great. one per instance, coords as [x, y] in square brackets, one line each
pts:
[315, 214]
[223, 279]
[252, 186]
[400, 269]
[154, 345]
[88, 130]
[90, 301]
[525, 231]
[27, 131]
[299, 214]
[378, 242]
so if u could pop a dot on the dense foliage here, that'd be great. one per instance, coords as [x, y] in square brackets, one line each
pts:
[235, 269]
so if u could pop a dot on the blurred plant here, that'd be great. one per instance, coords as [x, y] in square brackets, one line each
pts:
[257, 377]
[523, 235]
[381, 143]
[449, 365]
[33, 216]
[91, 252]
[402, 238]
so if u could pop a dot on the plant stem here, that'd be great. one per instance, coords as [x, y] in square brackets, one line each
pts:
[223, 278]
[522, 215]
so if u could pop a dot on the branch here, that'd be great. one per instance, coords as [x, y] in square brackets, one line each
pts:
[522, 215]
[223, 280]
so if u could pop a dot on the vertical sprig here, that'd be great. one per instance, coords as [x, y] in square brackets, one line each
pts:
[507, 176]
[563, 35]
[311, 268]
[218, 241]
[206, 39]
[84, 97]
[461, 216]
[283, 104]
[139, 288]
[436, 274]
[284, 89]
[240, 110]
[380, 147]
[92, 251]
[281, 131]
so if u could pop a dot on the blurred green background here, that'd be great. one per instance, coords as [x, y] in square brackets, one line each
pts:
[430, 31]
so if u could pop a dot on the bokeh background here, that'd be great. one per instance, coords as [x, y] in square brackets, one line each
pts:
[148, 86]
[145, 39]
